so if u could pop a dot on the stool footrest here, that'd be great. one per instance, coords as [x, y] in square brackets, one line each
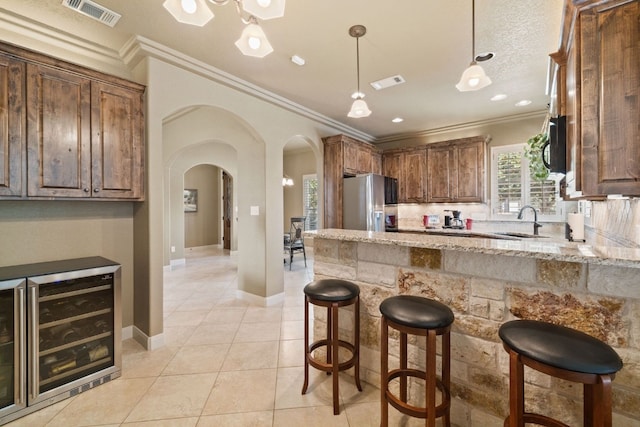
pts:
[328, 367]
[416, 411]
[538, 419]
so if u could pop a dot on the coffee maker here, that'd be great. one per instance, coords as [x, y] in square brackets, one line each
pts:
[453, 220]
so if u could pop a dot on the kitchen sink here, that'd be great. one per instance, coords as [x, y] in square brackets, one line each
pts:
[521, 235]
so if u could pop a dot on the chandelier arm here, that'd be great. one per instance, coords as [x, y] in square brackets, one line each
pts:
[219, 2]
[246, 21]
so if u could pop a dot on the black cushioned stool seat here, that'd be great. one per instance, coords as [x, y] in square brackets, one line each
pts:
[419, 316]
[563, 353]
[332, 294]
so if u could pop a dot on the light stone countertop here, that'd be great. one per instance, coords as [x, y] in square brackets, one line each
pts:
[550, 248]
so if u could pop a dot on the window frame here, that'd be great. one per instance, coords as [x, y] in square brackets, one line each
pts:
[526, 185]
[305, 178]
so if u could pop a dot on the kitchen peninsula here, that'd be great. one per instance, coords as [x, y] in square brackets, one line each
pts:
[487, 282]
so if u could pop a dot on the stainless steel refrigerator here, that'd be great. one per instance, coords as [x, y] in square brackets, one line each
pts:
[363, 203]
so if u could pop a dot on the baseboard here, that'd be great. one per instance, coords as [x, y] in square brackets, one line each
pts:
[127, 332]
[149, 343]
[260, 301]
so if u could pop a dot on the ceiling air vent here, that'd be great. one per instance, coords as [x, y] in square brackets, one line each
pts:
[93, 10]
[388, 82]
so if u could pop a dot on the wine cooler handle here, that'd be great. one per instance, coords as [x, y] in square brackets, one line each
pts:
[33, 345]
[21, 383]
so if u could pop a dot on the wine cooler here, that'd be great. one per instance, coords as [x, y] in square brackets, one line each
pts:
[60, 331]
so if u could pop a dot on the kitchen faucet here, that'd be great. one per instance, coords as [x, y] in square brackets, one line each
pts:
[535, 218]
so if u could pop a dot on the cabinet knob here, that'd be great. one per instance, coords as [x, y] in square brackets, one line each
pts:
[96, 190]
[86, 190]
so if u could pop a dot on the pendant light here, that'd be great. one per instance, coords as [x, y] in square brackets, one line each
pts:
[359, 108]
[474, 77]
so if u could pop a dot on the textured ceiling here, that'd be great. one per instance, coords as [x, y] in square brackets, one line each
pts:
[426, 42]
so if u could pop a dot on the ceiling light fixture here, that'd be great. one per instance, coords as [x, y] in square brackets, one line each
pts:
[474, 77]
[298, 60]
[286, 181]
[253, 41]
[359, 108]
[499, 97]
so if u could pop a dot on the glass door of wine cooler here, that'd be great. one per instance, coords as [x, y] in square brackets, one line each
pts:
[74, 333]
[12, 346]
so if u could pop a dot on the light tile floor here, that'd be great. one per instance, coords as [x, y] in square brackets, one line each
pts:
[225, 363]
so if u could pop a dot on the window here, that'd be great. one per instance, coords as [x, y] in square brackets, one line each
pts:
[310, 201]
[512, 186]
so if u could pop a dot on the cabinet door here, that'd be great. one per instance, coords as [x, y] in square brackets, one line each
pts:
[469, 172]
[392, 167]
[415, 163]
[116, 145]
[376, 163]
[58, 133]
[350, 160]
[364, 160]
[12, 126]
[439, 176]
[610, 100]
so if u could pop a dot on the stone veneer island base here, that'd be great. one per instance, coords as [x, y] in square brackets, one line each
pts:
[487, 282]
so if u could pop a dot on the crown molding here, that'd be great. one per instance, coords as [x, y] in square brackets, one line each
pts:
[139, 47]
[460, 126]
[34, 35]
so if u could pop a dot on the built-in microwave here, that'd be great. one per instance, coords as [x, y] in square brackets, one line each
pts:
[554, 153]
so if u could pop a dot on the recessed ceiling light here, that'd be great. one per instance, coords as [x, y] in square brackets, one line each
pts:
[397, 120]
[481, 57]
[298, 60]
[499, 97]
[523, 103]
[356, 95]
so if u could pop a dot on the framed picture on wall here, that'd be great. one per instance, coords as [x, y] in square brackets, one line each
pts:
[190, 200]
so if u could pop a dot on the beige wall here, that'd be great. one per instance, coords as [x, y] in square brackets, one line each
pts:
[296, 164]
[202, 228]
[38, 231]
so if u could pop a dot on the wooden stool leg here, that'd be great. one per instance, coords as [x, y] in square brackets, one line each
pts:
[403, 366]
[306, 345]
[329, 329]
[384, 373]
[446, 374]
[356, 344]
[335, 346]
[430, 383]
[516, 391]
[598, 403]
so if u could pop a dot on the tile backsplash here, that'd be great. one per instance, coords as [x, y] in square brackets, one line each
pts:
[608, 223]
[614, 222]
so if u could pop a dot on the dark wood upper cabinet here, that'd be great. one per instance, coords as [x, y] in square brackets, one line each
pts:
[117, 157]
[12, 127]
[67, 131]
[408, 166]
[601, 53]
[456, 171]
[59, 133]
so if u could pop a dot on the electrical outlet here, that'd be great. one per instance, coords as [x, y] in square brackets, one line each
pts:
[173, 249]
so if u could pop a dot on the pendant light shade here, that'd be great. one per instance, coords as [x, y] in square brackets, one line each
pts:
[192, 12]
[359, 108]
[253, 42]
[264, 9]
[474, 77]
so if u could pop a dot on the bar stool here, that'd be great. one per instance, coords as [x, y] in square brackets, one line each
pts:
[562, 353]
[423, 317]
[332, 294]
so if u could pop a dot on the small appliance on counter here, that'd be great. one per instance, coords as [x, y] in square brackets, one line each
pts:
[391, 218]
[430, 220]
[453, 220]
